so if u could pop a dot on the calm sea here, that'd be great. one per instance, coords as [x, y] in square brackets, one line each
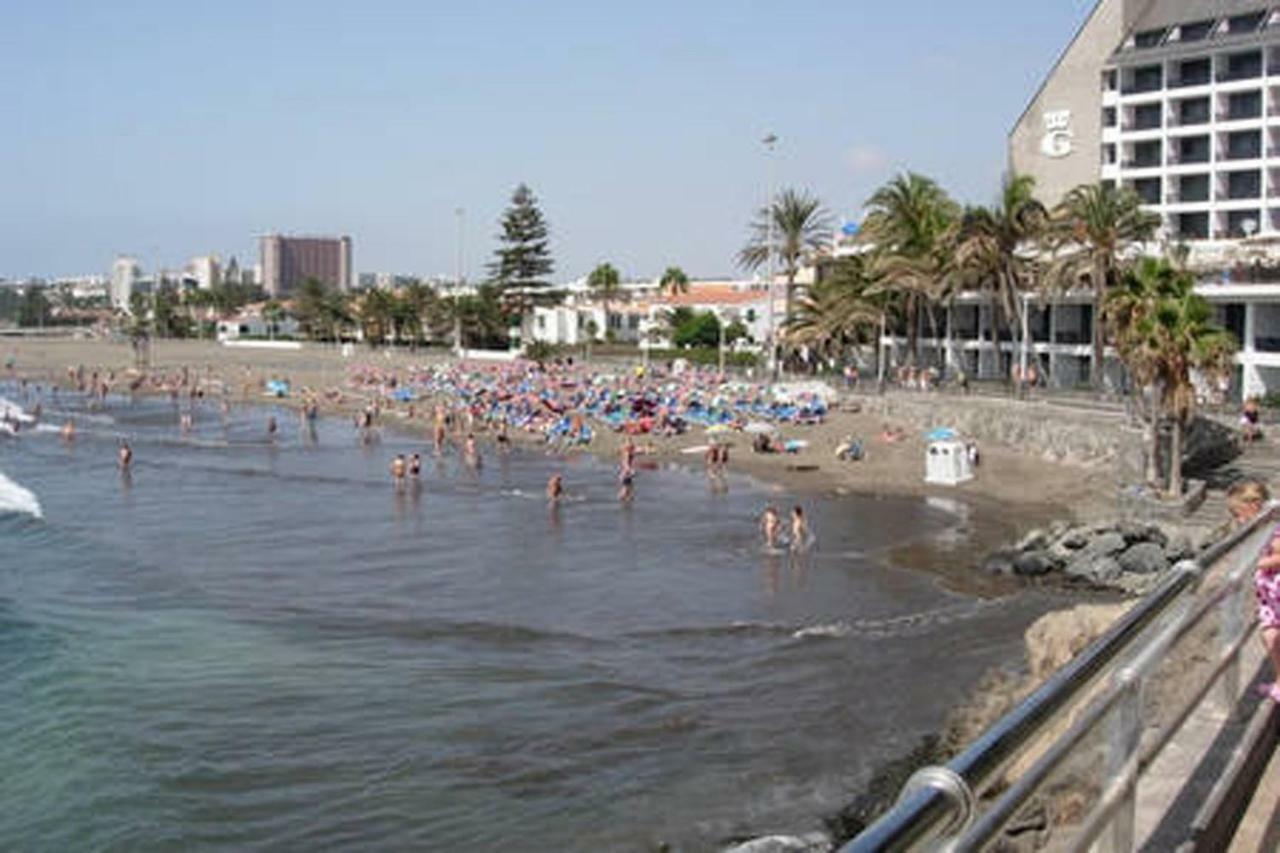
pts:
[262, 645]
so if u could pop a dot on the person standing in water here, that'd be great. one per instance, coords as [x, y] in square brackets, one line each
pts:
[555, 488]
[272, 427]
[801, 536]
[415, 466]
[398, 468]
[471, 452]
[771, 527]
[124, 456]
[68, 431]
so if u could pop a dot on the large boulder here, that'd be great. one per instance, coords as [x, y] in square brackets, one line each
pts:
[1104, 545]
[1034, 563]
[1098, 569]
[1144, 558]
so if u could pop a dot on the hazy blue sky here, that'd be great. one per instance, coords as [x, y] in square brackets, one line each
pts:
[175, 129]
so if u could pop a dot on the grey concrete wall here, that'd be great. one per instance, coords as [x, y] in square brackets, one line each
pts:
[1074, 85]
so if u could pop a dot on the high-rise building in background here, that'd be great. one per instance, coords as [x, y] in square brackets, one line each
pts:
[206, 271]
[288, 261]
[125, 273]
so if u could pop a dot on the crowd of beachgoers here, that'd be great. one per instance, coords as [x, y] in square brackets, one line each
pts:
[570, 403]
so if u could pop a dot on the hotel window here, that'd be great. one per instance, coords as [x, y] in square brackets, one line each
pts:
[1242, 223]
[1148, 189]
[1243, 105]
[1193, 188]
[1108, 116]
[1146, 155]
[1193, 111]
[1148, 38]
[1146, 117]
[1148, 78]
[1193, 226]
[1245, 23]
[1240, 66]
[1194, 72]
[1109, 154]
[1246, 184]
[1192, 149]
[1244, 145]
[1198, 31]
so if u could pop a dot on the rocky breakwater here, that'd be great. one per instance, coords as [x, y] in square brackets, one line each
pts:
[1127, 556]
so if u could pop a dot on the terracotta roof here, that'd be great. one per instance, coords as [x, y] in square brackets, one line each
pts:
[716, 294]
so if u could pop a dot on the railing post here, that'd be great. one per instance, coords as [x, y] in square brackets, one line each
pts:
[1231, 611]
[1122, 743]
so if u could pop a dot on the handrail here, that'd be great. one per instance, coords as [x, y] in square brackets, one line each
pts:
[927, 809]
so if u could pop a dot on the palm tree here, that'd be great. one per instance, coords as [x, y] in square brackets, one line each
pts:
[908, 222]
[1095, 226]
[1165, 335]
[839, 310]
[673, 282]
[272, 313]
[606, 286]
[801, 229]
[413, 306]
[995, 248]
[376, 313]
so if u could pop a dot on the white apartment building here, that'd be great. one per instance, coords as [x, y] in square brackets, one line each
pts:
[1180, 101]
[206, 271]
[639, 316]
[125, 273]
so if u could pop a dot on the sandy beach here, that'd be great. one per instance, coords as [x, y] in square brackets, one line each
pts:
[1021, 482]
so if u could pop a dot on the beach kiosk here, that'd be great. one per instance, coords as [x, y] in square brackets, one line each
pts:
[946, 461]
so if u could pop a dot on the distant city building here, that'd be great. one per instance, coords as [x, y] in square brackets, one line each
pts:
[289, 261]
[125, 274]
[206, 271]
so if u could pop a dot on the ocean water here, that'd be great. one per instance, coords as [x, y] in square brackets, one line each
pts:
[253, 644]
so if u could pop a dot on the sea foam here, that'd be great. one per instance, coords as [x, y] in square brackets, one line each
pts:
[12, 411]
[18, 499]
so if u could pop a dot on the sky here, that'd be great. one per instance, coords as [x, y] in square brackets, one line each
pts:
[167, 130]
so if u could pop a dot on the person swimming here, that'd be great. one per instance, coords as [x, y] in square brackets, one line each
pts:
[124, 456]
[68, 431]
[415, 465]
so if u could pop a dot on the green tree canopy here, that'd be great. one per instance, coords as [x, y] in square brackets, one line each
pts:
[522, 262]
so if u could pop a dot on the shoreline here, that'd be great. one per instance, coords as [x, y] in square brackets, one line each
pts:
[993, 510]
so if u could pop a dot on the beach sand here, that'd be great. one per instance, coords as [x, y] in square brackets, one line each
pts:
[1006, 476]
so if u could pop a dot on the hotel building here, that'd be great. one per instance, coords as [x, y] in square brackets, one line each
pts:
[1178, 100]
[289, 261]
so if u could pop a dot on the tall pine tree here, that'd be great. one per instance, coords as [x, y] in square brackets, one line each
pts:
[523, 260]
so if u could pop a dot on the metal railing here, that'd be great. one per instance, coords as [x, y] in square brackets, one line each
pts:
[939, 805]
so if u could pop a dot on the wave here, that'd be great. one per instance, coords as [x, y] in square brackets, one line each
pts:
[12, 411]
[15, 499]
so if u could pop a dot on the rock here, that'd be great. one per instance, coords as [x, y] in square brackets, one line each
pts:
[1156, 535]
[1075, 539]
[813, 842]
[1094, 568]
[999, 562]
[1105, 545]
[1035, 540]
[1034, 563]
[1057, 528]
[1178, 550]
[1144, 558]
[1132, 532]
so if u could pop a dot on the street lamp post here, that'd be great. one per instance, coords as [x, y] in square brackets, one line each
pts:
[457, 283]
[770, 141]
